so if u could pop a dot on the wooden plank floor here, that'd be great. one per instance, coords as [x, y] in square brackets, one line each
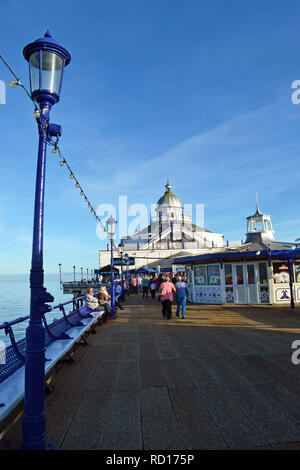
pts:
[222, 378]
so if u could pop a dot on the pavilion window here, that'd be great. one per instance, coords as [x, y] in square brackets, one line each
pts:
[188, 272]
[228, 274]
[280, 273]
[263, 274]
[200, 275]
[213, 274]
[250, 274]
[297, 271]
[239, 274]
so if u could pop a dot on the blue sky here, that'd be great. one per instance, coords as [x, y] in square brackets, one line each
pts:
[196, 90]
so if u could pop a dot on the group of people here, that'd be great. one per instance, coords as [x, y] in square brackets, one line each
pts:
[173, 290]
[143, 285]
[92, 280]
[161, 287]
[103, 300]
[165, 289]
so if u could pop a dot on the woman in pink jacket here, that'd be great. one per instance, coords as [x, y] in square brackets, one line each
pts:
[167, 289]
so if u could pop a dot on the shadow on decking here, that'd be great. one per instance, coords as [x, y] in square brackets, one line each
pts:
[222, 378]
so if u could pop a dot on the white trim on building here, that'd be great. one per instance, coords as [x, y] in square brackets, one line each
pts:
[241, 282]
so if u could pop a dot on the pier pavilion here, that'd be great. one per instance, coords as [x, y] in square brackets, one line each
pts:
[170, 233]
[259, 271]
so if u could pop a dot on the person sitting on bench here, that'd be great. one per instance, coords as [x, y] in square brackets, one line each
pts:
[91, 301]
[103, 299]
[94, 304]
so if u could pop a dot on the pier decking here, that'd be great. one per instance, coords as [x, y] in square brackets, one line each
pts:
[220, 379]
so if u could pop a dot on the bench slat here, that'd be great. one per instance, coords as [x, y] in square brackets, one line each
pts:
[12, 388]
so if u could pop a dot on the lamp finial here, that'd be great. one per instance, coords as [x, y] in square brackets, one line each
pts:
[257, 205]
[168, 186]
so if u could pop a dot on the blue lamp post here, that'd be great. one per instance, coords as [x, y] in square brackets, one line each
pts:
[291, 280]
[111, 225]
[121, 247]
[47, 60]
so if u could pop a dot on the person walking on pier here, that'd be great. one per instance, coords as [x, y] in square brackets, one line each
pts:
[159, 281]
[167, 289]
[140, 284]
[119, 295]
[152, 288]
[182, 295]
[145, 284]
[135, 285]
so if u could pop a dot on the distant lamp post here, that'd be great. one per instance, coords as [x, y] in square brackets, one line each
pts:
[291, 280]
[111, 225]
[74, 268]
[149, 239]
[59, 267]
[127, 276]
[121, 248]
[81, 269]
[47, 60]
[87, 275]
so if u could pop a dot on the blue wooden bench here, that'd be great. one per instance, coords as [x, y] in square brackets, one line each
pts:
[60, 337]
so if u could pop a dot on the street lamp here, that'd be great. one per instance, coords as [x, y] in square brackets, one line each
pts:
[127, 263]
[81, 269]
[74, 267]
[47, 60]
[149, 239]
[87, 275]
[291, 280]
[111, 225]
[121, 247]
[59, 267]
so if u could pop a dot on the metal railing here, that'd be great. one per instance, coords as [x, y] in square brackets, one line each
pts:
[82, 283]
[15, 352]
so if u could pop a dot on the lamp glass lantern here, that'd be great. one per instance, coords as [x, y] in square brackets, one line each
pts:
[47, 59]
[111, 225]
[45, 71]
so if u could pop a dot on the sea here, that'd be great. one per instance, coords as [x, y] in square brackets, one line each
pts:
[15, 300]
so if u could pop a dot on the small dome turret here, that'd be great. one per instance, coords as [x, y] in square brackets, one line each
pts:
[259, 227]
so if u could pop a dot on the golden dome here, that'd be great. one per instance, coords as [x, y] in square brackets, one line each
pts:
[169, 198]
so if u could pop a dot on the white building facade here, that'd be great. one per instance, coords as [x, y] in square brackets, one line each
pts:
[170, 233]
[255, 272]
